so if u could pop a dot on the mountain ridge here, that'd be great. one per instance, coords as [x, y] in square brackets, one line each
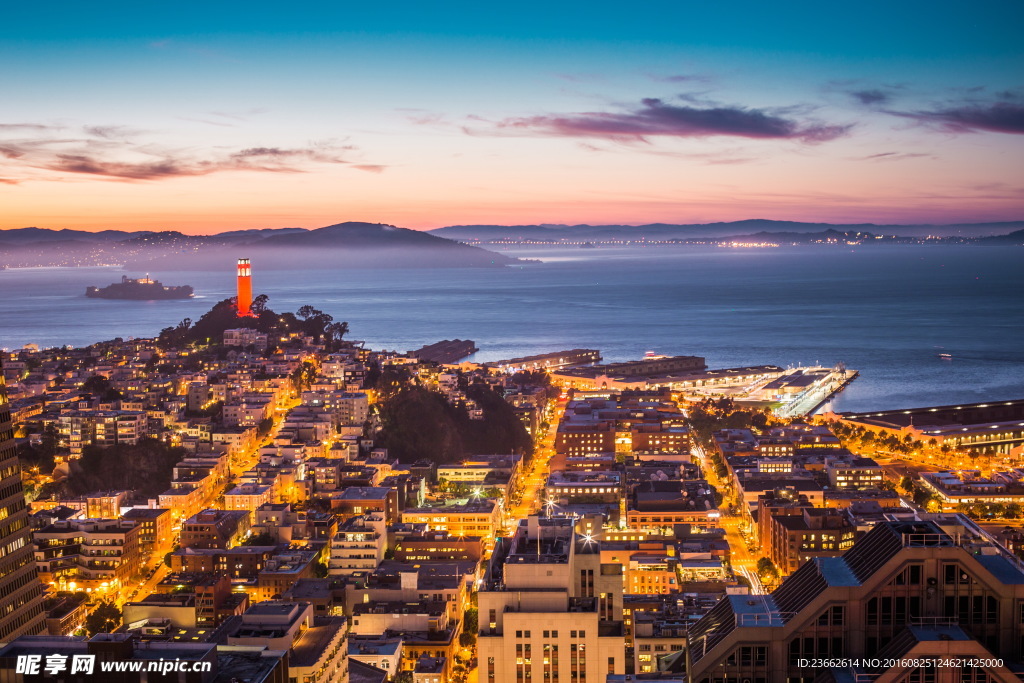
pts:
[342, 245]
[994, 228]
[711, 230]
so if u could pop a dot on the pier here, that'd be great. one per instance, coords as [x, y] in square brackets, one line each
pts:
[807, 389]
[446, 352]
[548, 361]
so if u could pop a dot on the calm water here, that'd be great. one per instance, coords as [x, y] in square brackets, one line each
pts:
[886, 311]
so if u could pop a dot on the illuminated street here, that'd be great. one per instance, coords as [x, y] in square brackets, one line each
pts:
[536, 476]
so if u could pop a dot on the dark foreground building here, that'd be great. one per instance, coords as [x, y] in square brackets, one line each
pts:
[21, 593]
[934, 600]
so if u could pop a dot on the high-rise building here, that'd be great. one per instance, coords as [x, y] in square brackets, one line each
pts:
[21, 593]
[549, 609]
[934, 599]
[244, 288]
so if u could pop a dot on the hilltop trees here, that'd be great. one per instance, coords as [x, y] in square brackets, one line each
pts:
[419, 423]
[100, 386]
[223, 316]
[145, 467]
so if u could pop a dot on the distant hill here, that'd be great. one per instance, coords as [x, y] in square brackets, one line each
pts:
[344, 245]
[665, 231]
[378, 245]
[36, 235]
[1015, 237]
[364, 245]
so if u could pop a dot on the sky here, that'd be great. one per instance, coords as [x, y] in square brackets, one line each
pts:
[205, 117]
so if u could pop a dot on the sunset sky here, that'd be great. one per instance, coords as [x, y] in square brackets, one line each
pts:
[203, 117]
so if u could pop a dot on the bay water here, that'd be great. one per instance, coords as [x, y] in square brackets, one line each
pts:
[887, 311]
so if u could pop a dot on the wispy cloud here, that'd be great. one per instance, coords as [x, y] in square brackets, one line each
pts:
[123, 154]
[240, 115]
[656, 118]
[682, 78]
[25, 126]
[961, 110]
[995, 117]
[111, 132]
[209, 122]
[201, 51]
[894, 156]
[720, 156]
[873, 96]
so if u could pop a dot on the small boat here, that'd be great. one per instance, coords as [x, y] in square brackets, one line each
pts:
[945, 356]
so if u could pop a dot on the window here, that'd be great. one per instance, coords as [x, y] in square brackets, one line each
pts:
[910, 576]
[953, 574]
[833, 616]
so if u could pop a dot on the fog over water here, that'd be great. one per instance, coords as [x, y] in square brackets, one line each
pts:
[887, 311]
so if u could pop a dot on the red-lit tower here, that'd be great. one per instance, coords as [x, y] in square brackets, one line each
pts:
[244, 288]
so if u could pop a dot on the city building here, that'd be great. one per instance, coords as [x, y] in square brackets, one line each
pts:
[480, 517]
[969, 487]
[797, 534]
[317, 647]
[853, 473]
[88, 554]
[385, 653]
[358, 545]
[906, 596]
[360, 500]
[81, 428]
[155, 526]
[245, 337]
[65, 613]
[204, 599]
[665, 504]
[205, 662]
[215, 529]
[549, 609]
[433, 546]
[21, 593]
[563, 488]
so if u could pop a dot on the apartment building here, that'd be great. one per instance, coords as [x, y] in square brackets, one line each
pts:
[549, 608]
[905, 597]
[88, 554]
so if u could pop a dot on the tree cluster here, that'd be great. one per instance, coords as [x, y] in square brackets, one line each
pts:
[99, 385]
[418, 423]
[223, 316]
[104, 619]
[146, 467]
[766, 569]
[710, 416]
[997, 510]
[43, 454]
[868, 438]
